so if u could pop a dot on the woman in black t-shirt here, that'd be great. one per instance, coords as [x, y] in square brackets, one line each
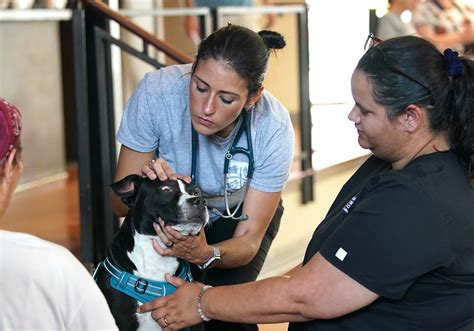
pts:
[396, 249]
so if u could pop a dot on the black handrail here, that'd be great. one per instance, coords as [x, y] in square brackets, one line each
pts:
[124, 22]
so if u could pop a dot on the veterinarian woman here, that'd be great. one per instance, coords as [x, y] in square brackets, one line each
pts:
[42, 285]
[396, 249]
[239, 128]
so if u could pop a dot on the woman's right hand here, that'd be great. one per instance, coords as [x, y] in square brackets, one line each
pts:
[161, 169]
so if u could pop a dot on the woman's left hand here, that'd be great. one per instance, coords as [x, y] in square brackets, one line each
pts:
[177, 310]
[190, 248]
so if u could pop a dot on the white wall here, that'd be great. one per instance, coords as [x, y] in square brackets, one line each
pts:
[337, 32]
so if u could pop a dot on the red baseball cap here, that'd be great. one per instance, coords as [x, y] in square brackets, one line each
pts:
[10, 128]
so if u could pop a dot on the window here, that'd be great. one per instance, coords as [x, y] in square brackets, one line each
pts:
[337, 32]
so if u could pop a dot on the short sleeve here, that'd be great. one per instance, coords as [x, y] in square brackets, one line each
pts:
[389, 238]
[137, 130]
[273, 147]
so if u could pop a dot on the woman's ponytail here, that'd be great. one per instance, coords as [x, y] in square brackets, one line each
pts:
[461, 126]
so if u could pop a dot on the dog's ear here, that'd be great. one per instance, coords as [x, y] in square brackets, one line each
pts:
[126, 188]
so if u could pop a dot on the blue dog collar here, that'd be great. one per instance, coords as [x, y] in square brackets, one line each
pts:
[142, 289]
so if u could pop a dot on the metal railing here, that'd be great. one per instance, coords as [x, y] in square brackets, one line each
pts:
[201, 12]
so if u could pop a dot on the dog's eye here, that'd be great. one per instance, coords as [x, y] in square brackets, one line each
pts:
[166, 189]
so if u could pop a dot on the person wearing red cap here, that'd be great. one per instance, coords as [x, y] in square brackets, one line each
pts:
[43, 286]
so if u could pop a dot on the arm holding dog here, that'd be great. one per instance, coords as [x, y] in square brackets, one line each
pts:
[316, 291]
[237, 251]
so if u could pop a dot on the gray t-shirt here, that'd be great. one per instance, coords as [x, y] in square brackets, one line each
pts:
[157, 117]
[391, 26]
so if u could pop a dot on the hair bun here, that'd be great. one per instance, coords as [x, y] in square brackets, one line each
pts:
[272, 39]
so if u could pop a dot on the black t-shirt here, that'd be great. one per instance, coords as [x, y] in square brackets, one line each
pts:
[407, 235]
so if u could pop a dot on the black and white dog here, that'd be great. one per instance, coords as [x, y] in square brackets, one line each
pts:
[133, 271]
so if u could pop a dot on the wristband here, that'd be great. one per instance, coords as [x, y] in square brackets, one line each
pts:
[199, 304]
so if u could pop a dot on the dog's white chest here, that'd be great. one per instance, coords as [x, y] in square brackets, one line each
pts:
[148, 262]
[150, 265]
[146, 323]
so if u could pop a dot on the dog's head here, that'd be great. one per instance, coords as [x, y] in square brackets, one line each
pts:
[179, 204]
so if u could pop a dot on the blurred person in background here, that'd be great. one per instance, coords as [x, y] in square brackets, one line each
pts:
[447, 23]
[393, 24]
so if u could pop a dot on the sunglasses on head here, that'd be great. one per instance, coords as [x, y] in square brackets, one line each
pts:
[372, 42]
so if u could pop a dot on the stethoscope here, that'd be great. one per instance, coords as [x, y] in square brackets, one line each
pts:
[233, 150]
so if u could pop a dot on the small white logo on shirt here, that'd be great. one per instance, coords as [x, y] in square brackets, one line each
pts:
[237, 175]
[341, 254]
[349, 204]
